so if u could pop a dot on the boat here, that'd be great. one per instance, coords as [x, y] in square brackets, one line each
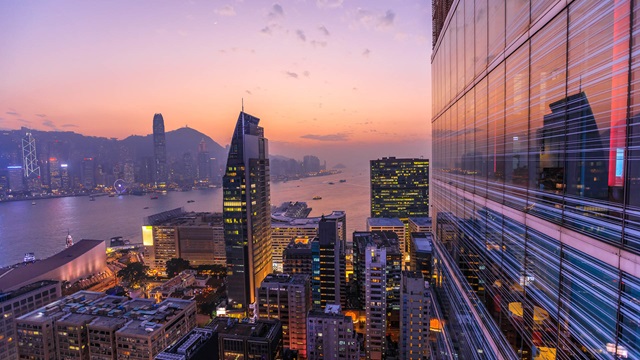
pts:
[154, 197]
[29, 257]
[343, 180]
[190, 201]
[317, 197]
[331, 183]
[33, 202]
[112, 195]
[146, 207]
[91, 198]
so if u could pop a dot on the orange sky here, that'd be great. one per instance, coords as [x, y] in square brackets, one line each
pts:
[326, 77]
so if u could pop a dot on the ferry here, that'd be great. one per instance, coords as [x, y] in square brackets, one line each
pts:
[343, 180]
[331, 183]
[29, 257]
[317, 197]
[190, 201]
[33, 202]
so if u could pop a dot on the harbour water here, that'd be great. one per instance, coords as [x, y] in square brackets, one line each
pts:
[42, 228]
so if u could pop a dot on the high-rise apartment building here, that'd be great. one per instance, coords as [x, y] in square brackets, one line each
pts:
[331, 335]
[196, 237]
[394, 225]
[287, 298]
[243, 340]
[399, 188]
[422, 254]
[159, 151]
[535, 188]
[203, 168]
[375, 292]
[246, 211]
[415, 303]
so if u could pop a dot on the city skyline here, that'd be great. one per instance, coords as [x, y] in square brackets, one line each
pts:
[287, 60]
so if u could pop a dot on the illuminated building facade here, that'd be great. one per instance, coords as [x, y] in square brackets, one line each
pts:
[536, 175]
[328, 267]
[246, 212]
[159, 151]
[287, 298]
[399, 188]
[196, 237]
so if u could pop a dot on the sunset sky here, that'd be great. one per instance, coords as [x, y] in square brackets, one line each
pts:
[326, 77]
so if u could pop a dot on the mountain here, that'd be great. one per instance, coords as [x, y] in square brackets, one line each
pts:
[179, 141]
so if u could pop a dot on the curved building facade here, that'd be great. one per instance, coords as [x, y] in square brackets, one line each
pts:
[536, 178]
[246, 213]
[159, 150]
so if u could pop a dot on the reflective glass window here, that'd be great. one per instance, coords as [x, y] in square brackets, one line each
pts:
[480, 131]
[496, 28]
[495, 122]
[480, 36]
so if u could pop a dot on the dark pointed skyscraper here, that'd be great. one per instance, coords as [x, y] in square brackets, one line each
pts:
[159, 150]
[246, 212]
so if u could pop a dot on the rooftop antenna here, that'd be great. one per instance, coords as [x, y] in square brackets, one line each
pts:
[242, 104]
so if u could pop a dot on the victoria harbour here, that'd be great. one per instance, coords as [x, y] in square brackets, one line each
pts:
[42, 228]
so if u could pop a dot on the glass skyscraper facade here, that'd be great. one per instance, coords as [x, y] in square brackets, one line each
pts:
[246, 213]
[159, 150]
[536, 178]
[399, 188]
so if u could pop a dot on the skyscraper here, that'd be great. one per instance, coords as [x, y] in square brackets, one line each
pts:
[159, 150]
[247, 213]
[399, 188]
[415, 302]
[328, 267]
[535, 187]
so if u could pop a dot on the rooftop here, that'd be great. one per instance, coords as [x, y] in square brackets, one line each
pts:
[14, 277]
[421, 221]
[386, 222]
[421, 241]
[229, 326]
[187, 219]
[295, 279]
[279, 220]
[25, 289]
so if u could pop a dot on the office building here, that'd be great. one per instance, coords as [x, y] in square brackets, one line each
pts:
[178, 284]
[420, 224]
[399, 188]
[91, 325]
[246, 212]
[80, 261]
[535, 186]
[16, 178]
[330, 335]
[203, 168]
[287, 298]
[422, 254]
[30, 162]
[415, 302]
[196, 237]
[243, 340]
[88, 173]
[290, 222]
[394, 225]
[17, 303]
[310, 164]
[328, 268]
[297, 259]
[159, 152]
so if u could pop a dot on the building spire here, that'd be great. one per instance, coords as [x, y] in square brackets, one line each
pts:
[242, 104]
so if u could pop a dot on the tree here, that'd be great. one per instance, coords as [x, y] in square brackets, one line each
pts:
[176, 266]
[135, 274]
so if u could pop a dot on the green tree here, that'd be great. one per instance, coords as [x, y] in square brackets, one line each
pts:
[176, 266]
[135, 274]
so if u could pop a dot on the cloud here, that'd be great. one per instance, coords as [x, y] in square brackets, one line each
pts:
[276, 12]
[41, 115]
[366, 53]
[329, 3]
[306, 73]
[69, 126]
[291, 74]
[387, 19]
[300, 35]
[316, 43]
[267, 30]
[12, 113]
[372, 20]
[24, 121]
[328, 137]
[324, 30]
[226, 10]
[49, 124]
[248, 92]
